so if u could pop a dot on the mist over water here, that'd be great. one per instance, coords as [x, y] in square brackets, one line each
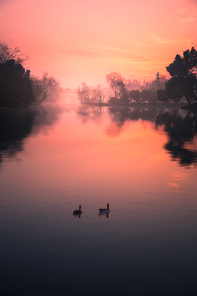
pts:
[139, 160]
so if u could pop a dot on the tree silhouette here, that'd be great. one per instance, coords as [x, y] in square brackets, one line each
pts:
[8, 53]
[183, 81]
[42, 86]
[15, 85]
[135, 95]
[114, 79]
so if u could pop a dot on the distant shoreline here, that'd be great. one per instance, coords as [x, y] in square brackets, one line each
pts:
[140, 105]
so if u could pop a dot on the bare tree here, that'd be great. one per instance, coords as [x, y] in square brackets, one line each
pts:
[84, 92]
[91, 94]
[98, 93]
[8, 53]
[41, 86]
[114, 79]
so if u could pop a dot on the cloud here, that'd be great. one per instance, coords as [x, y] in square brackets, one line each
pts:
[161, 40]
[110, 48]
[106, 52]
[189, 41]
[180, 10]
[185, 13]
[186, 19]
[139, 58]
[118, 52]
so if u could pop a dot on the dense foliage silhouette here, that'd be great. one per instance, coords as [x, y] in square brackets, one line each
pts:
[183, 81]
[15, 85]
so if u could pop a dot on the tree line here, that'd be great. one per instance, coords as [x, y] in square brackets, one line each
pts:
[19, 88]
[121, 91]
[181, 85]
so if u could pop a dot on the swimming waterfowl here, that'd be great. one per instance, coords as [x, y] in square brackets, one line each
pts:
[77, 212]
[107, 210]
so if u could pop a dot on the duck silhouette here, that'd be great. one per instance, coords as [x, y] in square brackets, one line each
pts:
[103, 211]
[78, 212]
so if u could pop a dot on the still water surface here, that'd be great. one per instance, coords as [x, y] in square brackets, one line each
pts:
[54, 159]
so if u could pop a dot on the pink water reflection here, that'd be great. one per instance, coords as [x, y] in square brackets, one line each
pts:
[90, 163]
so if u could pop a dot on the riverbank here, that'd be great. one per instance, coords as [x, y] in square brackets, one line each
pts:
[138, 105]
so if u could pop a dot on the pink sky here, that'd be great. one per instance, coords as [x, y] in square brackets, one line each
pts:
[83, 40]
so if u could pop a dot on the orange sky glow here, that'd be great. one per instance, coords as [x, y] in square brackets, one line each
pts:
[83, 40]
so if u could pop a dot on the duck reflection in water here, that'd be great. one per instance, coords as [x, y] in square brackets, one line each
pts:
[77, 213]
[104, 214]
[104, 211]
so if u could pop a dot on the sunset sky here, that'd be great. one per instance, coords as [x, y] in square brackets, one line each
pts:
[83, 40]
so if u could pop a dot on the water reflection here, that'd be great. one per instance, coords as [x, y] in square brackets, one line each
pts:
[75, 215]
[46, 115]
[17, 125]
[88, 112]
[182, 136]
[180, 126]
[120, 115]
[104, 214]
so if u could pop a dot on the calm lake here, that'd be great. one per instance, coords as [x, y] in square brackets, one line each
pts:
[140, 161]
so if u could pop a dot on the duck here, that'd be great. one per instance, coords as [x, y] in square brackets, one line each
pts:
[107, 210]
[77, 212]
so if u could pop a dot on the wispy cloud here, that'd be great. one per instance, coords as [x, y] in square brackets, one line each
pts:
[104, 52]
[108, 48]
[186, 19]
[189, 41]
[118, 52]
[180, 10]
[184, 14]
[161, 40]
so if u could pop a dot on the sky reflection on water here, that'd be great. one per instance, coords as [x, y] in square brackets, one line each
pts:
[147, 246]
